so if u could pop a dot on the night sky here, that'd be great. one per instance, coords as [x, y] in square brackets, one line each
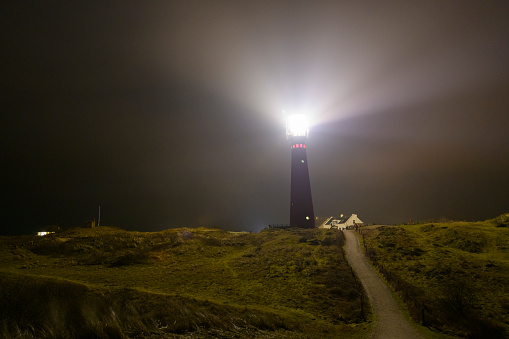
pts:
[170, 114]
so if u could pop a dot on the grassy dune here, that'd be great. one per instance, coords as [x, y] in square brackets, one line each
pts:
[107, 282]
[453, 276]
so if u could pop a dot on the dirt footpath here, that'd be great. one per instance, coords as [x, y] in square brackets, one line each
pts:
[390, 322]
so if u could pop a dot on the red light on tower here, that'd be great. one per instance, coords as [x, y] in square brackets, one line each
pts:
[301, 203]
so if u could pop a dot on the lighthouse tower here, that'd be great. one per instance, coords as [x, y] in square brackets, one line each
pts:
[301, 204]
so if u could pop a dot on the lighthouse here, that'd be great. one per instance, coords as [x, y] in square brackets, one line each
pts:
[301, 203]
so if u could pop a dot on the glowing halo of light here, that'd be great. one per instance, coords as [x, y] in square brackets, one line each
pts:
[296, 126]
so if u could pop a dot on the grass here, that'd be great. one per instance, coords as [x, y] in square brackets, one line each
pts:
[107, 282]
[455, 274]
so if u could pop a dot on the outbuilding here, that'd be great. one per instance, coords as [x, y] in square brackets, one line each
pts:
[344, 222]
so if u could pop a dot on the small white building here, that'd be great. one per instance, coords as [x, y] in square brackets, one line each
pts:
[43, 233]
[343, 222]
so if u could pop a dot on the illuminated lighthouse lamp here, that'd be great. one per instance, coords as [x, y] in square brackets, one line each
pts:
[296, 126]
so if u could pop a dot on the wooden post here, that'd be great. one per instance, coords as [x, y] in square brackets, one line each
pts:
[362, 306]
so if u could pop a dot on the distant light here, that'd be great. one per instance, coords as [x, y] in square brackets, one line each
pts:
[296, 126]
[44, 233]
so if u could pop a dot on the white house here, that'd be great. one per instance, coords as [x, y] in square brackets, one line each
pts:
[41, 234]
[343, 222]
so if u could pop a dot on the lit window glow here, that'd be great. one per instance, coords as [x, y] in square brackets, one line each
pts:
[298, 146]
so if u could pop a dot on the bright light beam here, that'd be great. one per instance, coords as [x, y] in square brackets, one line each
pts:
[296, 126]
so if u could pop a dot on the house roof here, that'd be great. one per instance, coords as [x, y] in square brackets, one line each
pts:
[343, 219]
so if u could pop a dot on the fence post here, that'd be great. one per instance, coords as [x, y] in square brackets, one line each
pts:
[362, 306]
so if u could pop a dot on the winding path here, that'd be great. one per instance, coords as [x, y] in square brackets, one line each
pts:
[390, 322]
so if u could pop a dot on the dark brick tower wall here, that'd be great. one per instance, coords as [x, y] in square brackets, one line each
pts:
[301, 203]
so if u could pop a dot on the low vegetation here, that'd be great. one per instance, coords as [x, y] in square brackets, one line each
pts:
[106, 282]
[453, 276]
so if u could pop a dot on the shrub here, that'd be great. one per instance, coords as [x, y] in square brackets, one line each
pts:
[131, 258]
